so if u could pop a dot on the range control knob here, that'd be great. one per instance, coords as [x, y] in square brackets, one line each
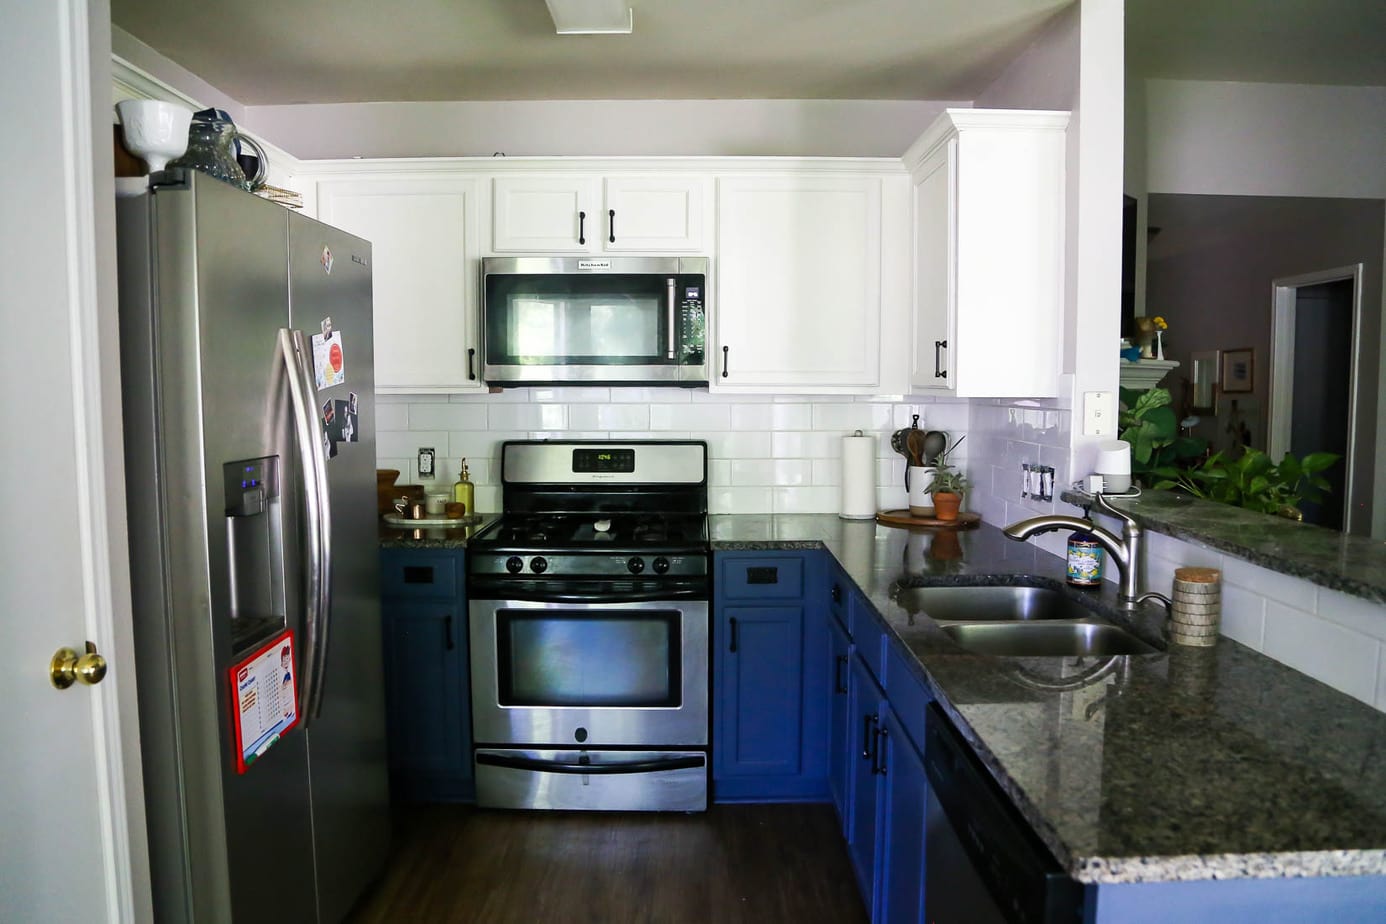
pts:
[539, 564]
[636, 565]
[661, 565]
[514, 564]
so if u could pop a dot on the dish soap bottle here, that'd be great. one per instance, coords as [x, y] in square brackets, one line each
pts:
[463, 492]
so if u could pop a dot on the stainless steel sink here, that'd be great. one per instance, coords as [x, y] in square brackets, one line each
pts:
[992, 604]
[1046, 639]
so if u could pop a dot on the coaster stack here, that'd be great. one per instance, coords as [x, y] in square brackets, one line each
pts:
[1197, 607]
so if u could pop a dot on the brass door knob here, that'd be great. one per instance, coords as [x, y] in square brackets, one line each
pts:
[68, 667]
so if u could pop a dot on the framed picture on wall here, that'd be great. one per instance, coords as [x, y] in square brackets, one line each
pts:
[1238, 370]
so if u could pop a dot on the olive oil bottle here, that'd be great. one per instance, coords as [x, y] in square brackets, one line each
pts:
[464, 492]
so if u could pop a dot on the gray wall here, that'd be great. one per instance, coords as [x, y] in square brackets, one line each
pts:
[1209, 273]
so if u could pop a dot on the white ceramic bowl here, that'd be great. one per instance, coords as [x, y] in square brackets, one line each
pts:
[154, 130]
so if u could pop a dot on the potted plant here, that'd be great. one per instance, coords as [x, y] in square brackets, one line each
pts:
[948, 488]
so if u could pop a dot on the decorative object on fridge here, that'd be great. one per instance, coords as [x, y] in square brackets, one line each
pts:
[857, 500]
[1238, 370]
[329, 358]
[154, 131]
[214, 145]
[264, 698]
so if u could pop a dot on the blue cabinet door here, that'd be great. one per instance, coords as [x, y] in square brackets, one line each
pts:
[839, 726]
[758, 689]
[864, 717]
[427, 693]
[904, 788]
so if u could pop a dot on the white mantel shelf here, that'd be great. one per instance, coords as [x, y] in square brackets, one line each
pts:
[1146, 373]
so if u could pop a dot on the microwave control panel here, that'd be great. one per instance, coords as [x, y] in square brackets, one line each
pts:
[692, 322]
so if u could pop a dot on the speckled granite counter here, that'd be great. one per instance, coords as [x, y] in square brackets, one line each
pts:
[1196, 764]
[443, 537]
[1352, 564]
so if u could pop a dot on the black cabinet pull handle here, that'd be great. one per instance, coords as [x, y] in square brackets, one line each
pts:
[836, 593]
[867, 739]
[878, 763]
[732, 649]
[939, 372]
[839, 685]
[582, 221]
[471, 364]
[447, 633]
[611, 225]
[725, 351]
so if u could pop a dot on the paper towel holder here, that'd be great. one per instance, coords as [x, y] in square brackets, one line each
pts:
[861, 505]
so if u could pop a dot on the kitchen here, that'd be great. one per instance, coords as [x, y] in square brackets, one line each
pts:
[1086, 326]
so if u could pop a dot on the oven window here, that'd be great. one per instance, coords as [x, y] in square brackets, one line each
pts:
[580, 658]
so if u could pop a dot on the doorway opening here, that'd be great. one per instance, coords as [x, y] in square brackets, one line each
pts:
[1314, 367]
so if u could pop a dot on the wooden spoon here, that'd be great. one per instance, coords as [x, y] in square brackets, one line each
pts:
[914, 446]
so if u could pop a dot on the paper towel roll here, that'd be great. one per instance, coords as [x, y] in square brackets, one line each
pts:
[858, 477]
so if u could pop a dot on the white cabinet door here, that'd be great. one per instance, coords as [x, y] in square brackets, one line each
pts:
[798, 282]
[654, 214]
[544, 214]
[933, 271]
[988, 253]
[424, 246]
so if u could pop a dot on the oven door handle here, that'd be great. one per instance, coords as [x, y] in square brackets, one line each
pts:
[654, 596]
[555, 766]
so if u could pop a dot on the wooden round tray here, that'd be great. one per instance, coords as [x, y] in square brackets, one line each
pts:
[904, 518]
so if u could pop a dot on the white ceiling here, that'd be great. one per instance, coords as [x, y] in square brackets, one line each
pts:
[265, 52]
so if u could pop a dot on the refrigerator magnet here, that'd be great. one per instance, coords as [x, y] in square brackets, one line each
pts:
[329, 360]
[264, 698]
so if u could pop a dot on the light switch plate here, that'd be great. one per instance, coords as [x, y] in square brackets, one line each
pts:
[1099, 414]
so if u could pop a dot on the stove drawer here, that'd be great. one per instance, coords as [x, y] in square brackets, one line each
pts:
[611, 781]
[420, 574]
[763, 577]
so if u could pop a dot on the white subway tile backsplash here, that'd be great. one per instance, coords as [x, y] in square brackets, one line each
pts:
[1351, 612]
[690, 417]
[391, 416]
[804, 444]
[1322, 649]
[1272, 585]
[850, 417]
[1243, 615]
[805, 500]
[739, 500]
[405, 444]
[609, 417]
[570, 395]
[527, 417]
[447, 417]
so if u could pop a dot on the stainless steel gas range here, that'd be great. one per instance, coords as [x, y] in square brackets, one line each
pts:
[589, 621]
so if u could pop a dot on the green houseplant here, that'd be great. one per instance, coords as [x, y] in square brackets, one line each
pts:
[949, 487]
[1148, 423]
[1253, 481]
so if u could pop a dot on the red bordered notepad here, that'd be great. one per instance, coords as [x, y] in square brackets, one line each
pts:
[264, 698]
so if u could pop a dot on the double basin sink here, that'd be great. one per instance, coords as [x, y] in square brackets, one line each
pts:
[1026, 622]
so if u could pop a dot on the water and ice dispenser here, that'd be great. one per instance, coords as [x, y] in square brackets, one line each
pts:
[255, 546]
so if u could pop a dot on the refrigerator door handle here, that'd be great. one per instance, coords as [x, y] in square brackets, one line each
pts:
[311, 435]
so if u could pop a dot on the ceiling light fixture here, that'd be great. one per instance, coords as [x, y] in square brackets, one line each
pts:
[592, 17]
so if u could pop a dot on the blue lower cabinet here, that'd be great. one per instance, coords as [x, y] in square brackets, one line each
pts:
[900, 895]
[769, 740]
[866, 703]
[839, 723]
[427, 692]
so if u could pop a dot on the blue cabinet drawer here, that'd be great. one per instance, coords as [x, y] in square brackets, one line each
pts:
[909, 697]
[419, 574]
[763, 578]
[869, 635]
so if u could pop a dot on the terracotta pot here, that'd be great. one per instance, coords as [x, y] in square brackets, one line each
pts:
[946, 505]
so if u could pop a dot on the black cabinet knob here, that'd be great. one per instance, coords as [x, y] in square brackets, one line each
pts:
[514, 564]
[539, 564]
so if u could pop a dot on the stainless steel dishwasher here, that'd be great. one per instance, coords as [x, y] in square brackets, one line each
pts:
[982, 863]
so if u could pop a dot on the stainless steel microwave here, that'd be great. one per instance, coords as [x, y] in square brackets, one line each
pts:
[594, 320]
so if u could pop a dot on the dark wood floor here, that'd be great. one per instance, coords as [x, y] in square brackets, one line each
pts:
[752, 863]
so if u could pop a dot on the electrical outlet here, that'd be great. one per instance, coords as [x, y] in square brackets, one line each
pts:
[426, 456]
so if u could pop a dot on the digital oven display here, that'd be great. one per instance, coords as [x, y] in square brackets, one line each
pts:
[620, 461]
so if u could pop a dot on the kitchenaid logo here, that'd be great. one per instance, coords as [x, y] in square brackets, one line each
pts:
[594, 264]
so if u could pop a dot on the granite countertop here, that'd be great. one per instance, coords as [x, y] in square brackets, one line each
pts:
[440, 537]
[1352, 564]
[1213, 763]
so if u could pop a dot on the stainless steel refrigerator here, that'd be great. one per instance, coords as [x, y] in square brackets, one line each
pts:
[250, 476]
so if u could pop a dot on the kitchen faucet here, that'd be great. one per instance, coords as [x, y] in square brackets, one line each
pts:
[1125, 551]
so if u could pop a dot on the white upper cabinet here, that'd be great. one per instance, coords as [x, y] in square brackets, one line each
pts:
[799, 282]
[660, 213]
[425, 249]
[988, 253]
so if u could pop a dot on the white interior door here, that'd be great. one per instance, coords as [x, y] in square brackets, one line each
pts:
[65, 782]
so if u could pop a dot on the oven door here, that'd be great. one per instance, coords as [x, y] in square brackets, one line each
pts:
[589, 674]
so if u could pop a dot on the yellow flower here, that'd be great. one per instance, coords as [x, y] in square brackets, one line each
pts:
[1160, 323]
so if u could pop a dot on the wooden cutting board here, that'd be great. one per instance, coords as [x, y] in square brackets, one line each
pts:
[906, 519]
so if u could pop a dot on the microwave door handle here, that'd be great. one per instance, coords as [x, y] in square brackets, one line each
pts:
[309, 430]
[671, 287]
